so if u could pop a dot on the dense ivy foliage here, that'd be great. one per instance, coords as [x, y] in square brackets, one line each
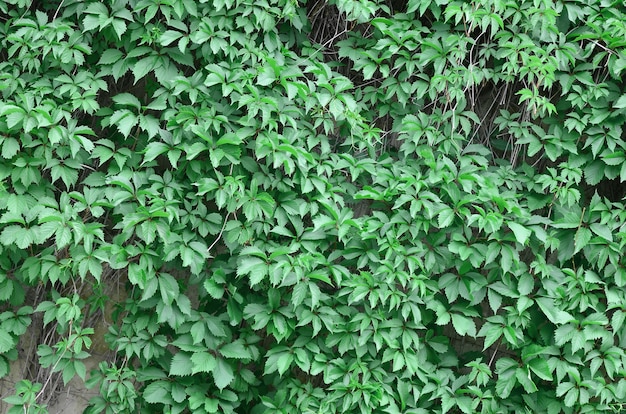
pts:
[315, 207]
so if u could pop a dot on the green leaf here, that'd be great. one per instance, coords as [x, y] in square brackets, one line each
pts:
[621, 102]
[143, 66]
[523, 377]
[7, 342]
[168, 287]
[602, 230]
[581, 239]
[235, 350]
[541, 368]
[128, 100]
[110, 56]
[158, 392]
[554, 314]
[463, 325]
[153, 150]
[222, 374]
[203, 362]
[124, 120]
[445, 218]
[284, 361]
[253, 266]
[10, 147]
[181, 364]
[521, 233]
[169, 36]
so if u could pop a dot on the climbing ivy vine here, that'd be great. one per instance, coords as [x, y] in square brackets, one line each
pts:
[343, 206]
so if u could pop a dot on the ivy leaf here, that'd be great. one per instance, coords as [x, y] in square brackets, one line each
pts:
[153, 150]
[168, 287]
[521, 233]
[445, 218]
[203, 362]
[7, 342]
[181, 364]
[157, 392]
[169, 36]
[620, 103]
[541, 368]
[124, 120]
[602, 230]
[463, 325]
[581, 239]
[10, 147]
[256, 268]
[554, 314]
[127, 99]
[235, 350]
[523, 377]
[222, 373]
[110, 56]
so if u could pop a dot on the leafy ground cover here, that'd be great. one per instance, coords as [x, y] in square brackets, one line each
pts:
[275, 206]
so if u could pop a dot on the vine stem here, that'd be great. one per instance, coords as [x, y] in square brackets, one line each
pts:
[493, 356]
[45, 385]
[219, 236]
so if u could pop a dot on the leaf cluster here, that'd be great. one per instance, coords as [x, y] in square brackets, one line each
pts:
[337, 207]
